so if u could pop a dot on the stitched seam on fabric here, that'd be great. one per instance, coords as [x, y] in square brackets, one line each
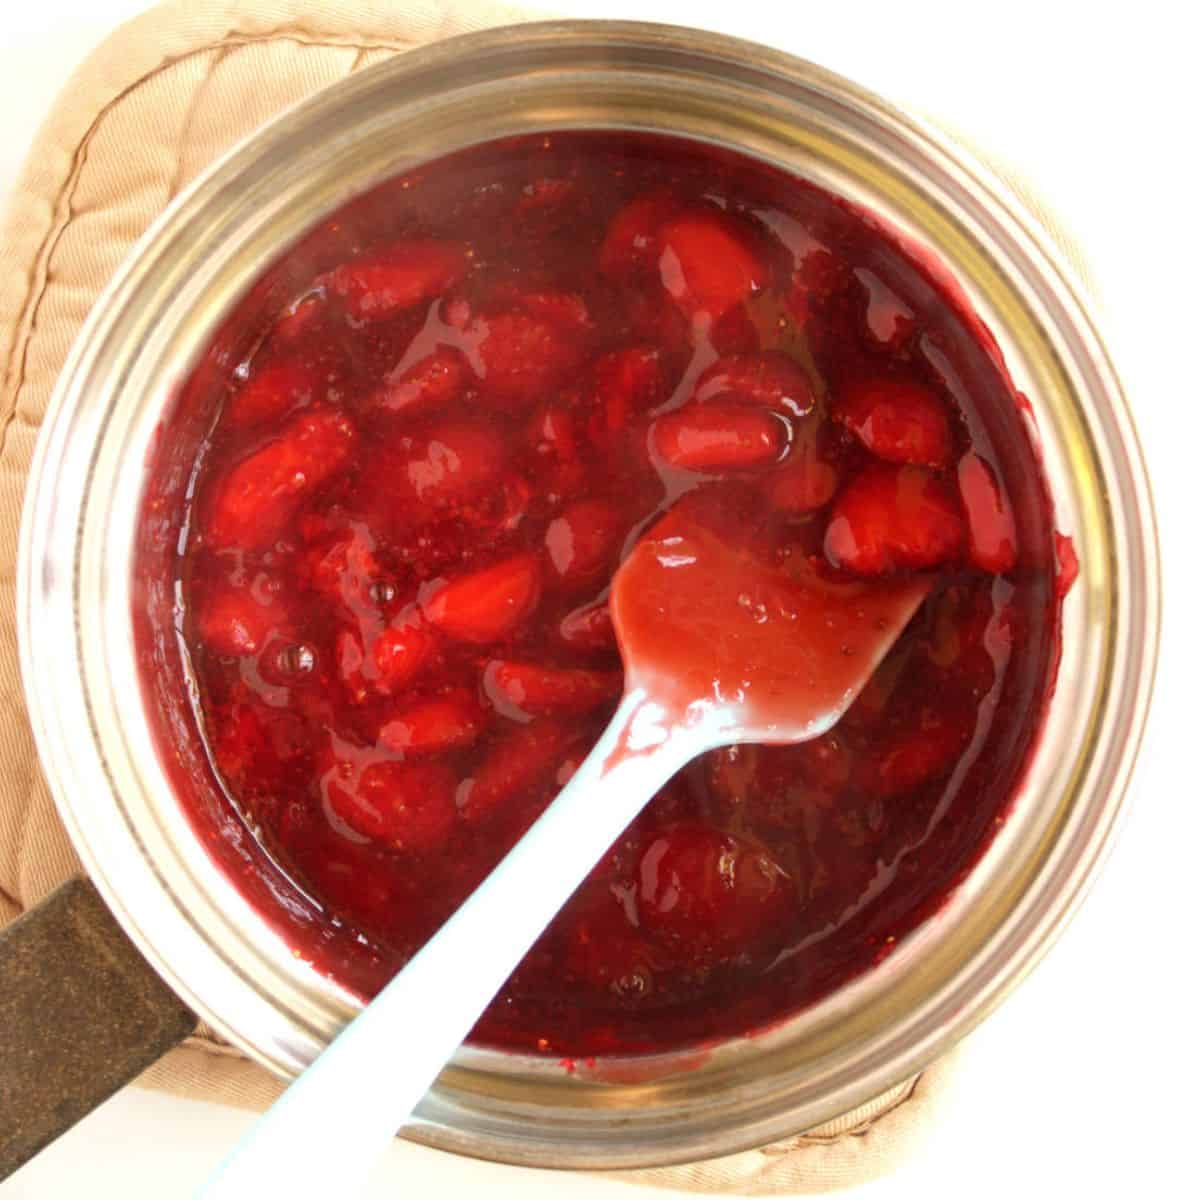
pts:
[810, 1141]
[185, 127]
[40, 276]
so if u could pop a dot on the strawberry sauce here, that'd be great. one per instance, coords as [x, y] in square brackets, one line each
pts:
[380, 528]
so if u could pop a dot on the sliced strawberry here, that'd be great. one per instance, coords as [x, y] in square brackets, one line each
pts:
[254, 502]
[349, 658]
[923, 748]
[708, 262]
[522, 690]
[654, 318]
[545, 193]
[454, 462]
[733, 773]
[382, 282]
[524, 358]
[713, 437]
[484, 605]
[582, 541]
[345, 570]
[628, 383]
[241, 742]
[271, 392]
[410, 805]
[771, 380]
[735, 333]
[589, 628]
[631, 242]
[297, 319]
[240, 620]
[820, 276]
[552, 433]
[890, 518]
[524, 759]
[605, 951]
[435, 381]
[565, 309]
[991, 530]
[897, 420]
[401, 652]
[709, 893]
[806, 480]
[446, 722]
[801, 486]
[824, 762]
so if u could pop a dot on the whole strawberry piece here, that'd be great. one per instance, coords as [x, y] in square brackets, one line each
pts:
[709, 893]
[991, 530]
[708, 262]
[253, 503]
[897, 420]
[271, 392]
[410, 805]
[386, 281]
[485, 605]
[890, 518]
[716, 437]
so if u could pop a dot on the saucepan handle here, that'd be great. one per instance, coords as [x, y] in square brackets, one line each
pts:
[81, 1014]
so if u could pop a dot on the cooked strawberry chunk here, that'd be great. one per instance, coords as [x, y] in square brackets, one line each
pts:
[255, 501]
[631, 242]
[485, 605]
[454, 462]
[991, 530]
[296, 320]
[890, 518]
[710, 893]
[925, 746]
[526, 758]
[253, 746]
[271, 392]
[802, 485]
[708, 263]
[431, 383]
[382, 282]
[401, 652]
[713, 437]
[897, 420]
[627, 384]
[410, 805]
[589, 628]
[565, 309]
[524, 357]
[523, 689]
[235, 620]
[350, 659]
[806, 480]
[772, 380]
[446, 722]
[583, 540]
[345, 570]
[606, 951]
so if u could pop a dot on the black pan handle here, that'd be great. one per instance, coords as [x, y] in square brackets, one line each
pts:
[81, 1014]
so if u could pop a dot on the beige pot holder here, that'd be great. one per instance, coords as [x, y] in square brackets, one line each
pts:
[155, 104]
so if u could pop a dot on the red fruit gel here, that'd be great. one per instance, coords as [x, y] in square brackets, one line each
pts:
[390, 524]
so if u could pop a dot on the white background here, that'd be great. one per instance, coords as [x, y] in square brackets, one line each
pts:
[1083, 1083]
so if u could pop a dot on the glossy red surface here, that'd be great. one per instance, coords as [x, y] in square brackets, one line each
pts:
[379, 532]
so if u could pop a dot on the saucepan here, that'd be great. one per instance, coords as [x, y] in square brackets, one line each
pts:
[169, 882]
